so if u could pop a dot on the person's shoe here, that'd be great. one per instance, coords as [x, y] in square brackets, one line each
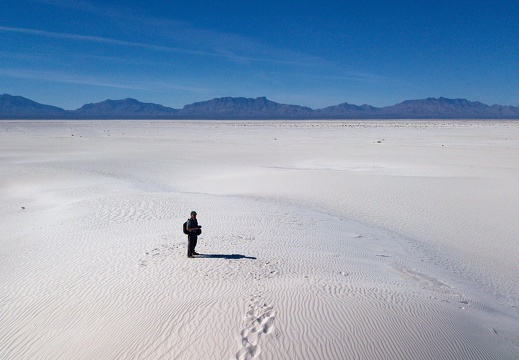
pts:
[190, 256]
[195, 253]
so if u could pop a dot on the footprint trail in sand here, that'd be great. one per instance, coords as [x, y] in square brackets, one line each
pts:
[259, 321]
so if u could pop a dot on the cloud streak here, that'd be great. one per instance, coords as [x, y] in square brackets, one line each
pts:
[60, 77]
[224, 52]
[101, 40]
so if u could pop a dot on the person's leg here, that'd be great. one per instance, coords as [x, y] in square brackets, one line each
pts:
[190, 245]
[194, 243]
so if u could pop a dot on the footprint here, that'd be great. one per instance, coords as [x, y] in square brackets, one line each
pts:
[249, 352]
[159, 254]
[259, 320]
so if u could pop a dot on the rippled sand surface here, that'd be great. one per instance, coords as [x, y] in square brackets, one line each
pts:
[321, 240]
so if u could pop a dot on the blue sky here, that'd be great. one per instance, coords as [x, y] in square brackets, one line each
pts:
[313, 53]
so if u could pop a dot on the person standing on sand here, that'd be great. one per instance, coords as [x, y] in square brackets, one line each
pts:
[194, 230]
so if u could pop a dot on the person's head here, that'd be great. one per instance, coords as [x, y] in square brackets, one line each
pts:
[193, 214]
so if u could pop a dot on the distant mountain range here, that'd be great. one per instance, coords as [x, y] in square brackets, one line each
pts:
[232, 108]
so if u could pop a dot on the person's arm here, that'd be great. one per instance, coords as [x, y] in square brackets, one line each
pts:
[191, 229]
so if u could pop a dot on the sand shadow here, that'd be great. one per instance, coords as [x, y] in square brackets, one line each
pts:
[225, 256]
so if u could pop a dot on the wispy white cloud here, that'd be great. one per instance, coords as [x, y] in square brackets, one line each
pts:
[98, 39]
[58, 77]
[223, 52]
[334, 73]
[74, 79]
[191, 39]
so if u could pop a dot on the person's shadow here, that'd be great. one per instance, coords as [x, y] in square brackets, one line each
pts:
[225, 256]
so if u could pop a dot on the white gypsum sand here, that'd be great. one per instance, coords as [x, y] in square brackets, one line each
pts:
[321, 240]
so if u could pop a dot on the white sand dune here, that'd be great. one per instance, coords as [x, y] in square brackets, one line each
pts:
[322, 240]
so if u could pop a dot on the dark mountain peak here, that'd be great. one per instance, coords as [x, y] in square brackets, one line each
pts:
[441, 101]
[10, 100]
[346, 106]
[18, 107]
[443, 108]
[114, 104]
[244, 108]
[126, 108]
[17, 100]
[346, 111]
[234, 102]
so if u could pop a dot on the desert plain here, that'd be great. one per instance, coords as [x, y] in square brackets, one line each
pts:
[321, 239]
